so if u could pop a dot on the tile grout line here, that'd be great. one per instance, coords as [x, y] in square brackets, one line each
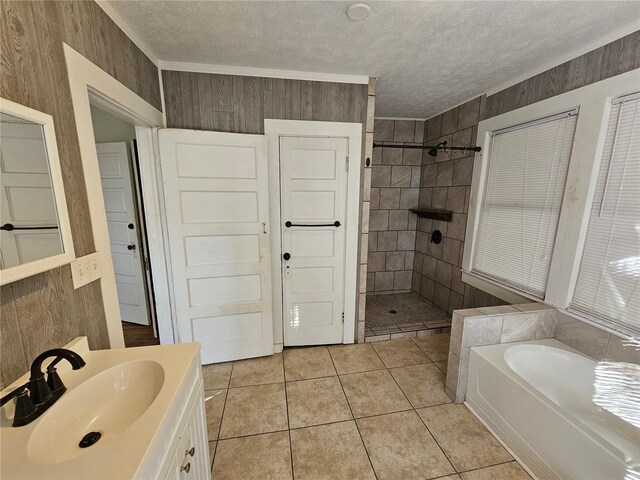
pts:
[353, 417]
[424, 423]
[286, 403]
[215, 451]
[513, 460]
[435, 439]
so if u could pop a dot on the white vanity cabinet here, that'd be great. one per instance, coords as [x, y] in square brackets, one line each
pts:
[191, 457]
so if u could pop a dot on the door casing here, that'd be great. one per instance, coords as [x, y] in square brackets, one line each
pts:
[274, 129]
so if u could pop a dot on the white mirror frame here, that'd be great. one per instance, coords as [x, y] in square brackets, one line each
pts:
[11, 274]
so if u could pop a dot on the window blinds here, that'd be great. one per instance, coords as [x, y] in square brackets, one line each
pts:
[521, 200]
[608, 285]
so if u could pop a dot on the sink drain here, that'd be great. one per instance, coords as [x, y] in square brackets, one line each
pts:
[89, 439]
[393, 312]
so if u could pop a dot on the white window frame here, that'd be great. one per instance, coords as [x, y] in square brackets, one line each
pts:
[594, 105]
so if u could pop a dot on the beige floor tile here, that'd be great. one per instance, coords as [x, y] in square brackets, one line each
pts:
[442, 365]
[316, 401]
[436, 346]
[423, 384]
[253, 410]
[212, 452]
[401, 448]
[373, 393]
[216, 375]
[467, 443]
[213, 407]
[305, 363]
[259, 457]
[398, 353]
[355, 358]
[258, 371]
[506, 471]
[449, 477]
[329, 452]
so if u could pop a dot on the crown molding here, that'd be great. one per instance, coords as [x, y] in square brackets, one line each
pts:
[263, 72]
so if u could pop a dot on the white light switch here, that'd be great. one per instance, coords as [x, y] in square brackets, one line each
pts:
[85, 270]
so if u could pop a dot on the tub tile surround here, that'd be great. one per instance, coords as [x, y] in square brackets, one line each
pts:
[524, 322]
[347, 411]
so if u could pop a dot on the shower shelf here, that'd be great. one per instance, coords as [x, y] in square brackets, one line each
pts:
[434, 214]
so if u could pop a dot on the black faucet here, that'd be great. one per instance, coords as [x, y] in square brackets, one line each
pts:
[37, 395]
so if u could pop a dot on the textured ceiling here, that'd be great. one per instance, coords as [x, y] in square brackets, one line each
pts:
[428, 56]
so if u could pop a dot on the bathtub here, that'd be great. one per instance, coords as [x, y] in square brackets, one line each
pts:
[536, 397]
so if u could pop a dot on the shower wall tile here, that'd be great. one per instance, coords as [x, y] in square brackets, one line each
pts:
[404, 131]
[395, 189]
[383, 130]
[418, 136]
[412, 156]
[446, 184]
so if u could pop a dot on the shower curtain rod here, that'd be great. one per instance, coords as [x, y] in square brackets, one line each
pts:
[441, 146]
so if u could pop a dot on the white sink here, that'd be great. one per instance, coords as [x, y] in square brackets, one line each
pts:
[108, 403]
[133, 397]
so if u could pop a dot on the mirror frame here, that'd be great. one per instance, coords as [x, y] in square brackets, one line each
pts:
[11, 274]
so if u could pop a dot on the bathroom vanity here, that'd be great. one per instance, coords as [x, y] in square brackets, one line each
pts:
[138, 413]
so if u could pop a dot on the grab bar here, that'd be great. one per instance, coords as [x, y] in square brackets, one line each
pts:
[9, 227]
[288, 224]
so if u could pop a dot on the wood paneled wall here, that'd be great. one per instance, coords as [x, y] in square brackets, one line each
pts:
[607, 61]
[230, 103]
[45, 311]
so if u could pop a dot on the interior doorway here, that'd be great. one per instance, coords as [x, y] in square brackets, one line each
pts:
[121, 189]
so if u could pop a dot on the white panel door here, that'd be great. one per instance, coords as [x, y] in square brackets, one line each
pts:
[217, 207]
[124, 234]
[27, 197]
[313, 182]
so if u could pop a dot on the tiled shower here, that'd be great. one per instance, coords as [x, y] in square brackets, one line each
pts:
[413, 284]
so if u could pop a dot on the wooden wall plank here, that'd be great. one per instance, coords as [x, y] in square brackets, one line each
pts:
[612, 59]
[44, 311]
[231, 103]
[13, 356]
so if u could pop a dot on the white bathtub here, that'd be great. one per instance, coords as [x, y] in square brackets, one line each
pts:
[537, 398]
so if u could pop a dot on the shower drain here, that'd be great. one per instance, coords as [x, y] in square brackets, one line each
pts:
[89, 439]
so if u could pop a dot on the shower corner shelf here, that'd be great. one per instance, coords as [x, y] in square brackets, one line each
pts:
[433, 213]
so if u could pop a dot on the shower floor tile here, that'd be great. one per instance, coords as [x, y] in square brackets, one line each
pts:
[402, 313]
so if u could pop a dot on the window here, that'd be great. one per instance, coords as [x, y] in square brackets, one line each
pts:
[608, 285]
[520, 202]
[554, 213]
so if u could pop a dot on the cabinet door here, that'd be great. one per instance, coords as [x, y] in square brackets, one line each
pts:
[191, 458]
[174, 467]
[194, 442]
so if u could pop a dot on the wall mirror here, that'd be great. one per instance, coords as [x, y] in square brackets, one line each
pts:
[35, 235]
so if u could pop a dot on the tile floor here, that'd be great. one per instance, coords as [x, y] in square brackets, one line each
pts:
[347, 412]
[413, 314]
